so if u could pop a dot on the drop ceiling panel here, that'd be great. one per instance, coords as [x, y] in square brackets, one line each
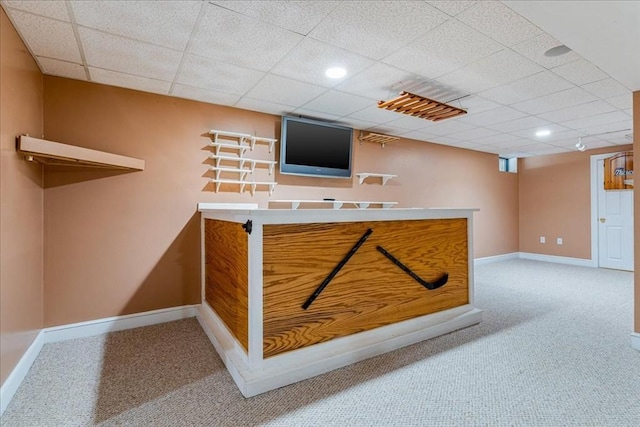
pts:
[280, 90]
[497, 69]
[339, 103]
[452, 8]
[531, 133]
[264, 106]
[586, 122]
[204, 95]
[241, 40]
[527, 122]
[497, 21]
[527, 88]
[420, 136]
[580, 72]
[128, 81]
[377, 29]
[168, 26]
[218, 76]
[54, 9]
[309, 60]
[315, 114]
[473, 134]
[495, 139]
[606, 88]
[298, 16]
[497, 115]
[129, 56]
[623, 102]
[582, 110]
[613, 129]
[409, 123]
[47, 37]
[556, 101]
[375, 115]
[55, 67]
[450, 46]
[476, 104]
[535, 49]
[448, 127]
[375, 82]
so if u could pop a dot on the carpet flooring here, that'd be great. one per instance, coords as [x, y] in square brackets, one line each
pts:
[553, 350]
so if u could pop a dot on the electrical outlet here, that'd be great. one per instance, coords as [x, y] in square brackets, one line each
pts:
[542, 239]
[559, 240]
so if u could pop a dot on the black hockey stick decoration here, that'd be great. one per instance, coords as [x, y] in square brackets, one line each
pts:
[337, 268]
[431, 286]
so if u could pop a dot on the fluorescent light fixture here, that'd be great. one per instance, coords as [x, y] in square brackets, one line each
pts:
[335, 72]
[543, 132]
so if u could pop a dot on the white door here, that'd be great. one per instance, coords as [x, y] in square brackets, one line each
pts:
[615, 226]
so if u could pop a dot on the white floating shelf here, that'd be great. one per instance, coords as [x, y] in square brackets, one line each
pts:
[385, 176]
[252, 184]
[243, 172]
[337, 204]
[243, 138]
[242, 161]
[240, 148]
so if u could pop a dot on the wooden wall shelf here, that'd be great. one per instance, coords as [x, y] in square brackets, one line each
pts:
[378, 138]
[51, 153]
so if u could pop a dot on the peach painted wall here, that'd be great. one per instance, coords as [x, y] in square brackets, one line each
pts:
[119, 243]
[636, 211]
[555, 201]
[21, 194]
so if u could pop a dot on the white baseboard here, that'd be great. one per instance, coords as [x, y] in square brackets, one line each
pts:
[15, 378]
[635, 340]
[558, 259]
[82, 330]
[495, 258]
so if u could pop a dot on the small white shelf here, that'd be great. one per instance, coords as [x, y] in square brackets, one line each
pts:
[243, 172]
[337, 204]
[385, 176]
[242, 161]
[243, 138]
[252, 184]
[240, 148]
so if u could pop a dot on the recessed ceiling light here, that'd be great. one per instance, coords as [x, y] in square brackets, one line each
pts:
[557, 51]
[543, 132]
[335, 72]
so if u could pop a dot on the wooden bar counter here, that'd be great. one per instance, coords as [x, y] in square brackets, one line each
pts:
[373, 281]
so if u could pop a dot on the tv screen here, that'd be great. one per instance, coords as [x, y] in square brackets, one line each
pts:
[315, 148]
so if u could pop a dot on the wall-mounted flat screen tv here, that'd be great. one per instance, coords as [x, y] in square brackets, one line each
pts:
[315, 148]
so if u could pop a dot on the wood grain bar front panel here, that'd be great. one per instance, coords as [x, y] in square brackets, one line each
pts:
[369, 291]
[227, 275]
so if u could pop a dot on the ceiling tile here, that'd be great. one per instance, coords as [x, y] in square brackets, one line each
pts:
[129, 56]
[168, 26]
[593, 144]
[476, 104]
[531, 133]
[375, 115]
[518, 124]
[450, 46]
[542, 151]
[453, 141]
[495, 139]
[264, 106]
[447, 127]
[613, 128]
[535, 48]
[54, 67]
[279, 90]
[473, 134]
[218, 76]
[527, 88]
[309, 60]
[622, 102]
[339, 103]
[580, 72]
[563, 135]
[498, 69]
[555, 101]
[230, 37]
[571, 113]
[128, 81]
[314, 114]
[409, 123]
[420, 136]
[298, 16]
[452, 8]
[606, 88]
[375, 82]
[204, 95]
[497, 21]
[47, 37]
[377, 29]
[54, 9]
[600, 119]
[497, 115]
[357, 123]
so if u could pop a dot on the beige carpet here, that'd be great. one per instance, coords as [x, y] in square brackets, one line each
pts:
[553, 350]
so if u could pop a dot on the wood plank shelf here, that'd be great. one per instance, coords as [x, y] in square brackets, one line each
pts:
[51, 153]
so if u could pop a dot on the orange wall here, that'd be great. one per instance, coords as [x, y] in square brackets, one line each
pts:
[21, 194]
[124, 243]
[636, 213]
[555, 201]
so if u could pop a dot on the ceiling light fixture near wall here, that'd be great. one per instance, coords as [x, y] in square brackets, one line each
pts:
[543, 132]
[580, 145]
[335, 72]
[557, 51]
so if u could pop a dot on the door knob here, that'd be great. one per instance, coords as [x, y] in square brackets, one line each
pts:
[603, 220]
